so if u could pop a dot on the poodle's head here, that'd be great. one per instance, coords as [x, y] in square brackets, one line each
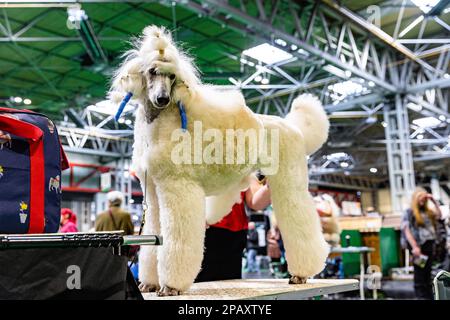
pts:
[156, 72]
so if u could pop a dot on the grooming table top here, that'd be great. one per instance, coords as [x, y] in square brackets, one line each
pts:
[270, 289]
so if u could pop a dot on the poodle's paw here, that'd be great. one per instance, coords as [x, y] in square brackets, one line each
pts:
[167, 291]
[148, 287]
[297, 280]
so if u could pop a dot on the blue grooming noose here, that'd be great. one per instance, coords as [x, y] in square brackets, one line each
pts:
[182, 115]
[127, 98]
[122, 105]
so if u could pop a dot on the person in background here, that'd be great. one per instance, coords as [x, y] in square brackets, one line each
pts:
[226, 240]
[68, 221]
[273, 238]
[274, 248]
[252, 247]
[328, 212]
[115, 218]
[419, 230]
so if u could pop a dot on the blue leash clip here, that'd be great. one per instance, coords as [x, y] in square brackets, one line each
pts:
[122, 105]
[182, 115]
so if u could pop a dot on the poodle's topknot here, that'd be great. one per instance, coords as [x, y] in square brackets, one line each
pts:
[154, 45]
[155, 38]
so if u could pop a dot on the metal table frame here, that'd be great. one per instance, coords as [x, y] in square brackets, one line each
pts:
[361, 251]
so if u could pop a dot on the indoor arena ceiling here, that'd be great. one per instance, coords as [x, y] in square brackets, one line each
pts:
[353, 54]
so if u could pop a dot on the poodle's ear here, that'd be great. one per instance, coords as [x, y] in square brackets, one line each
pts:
[129, 78]
[186, 80]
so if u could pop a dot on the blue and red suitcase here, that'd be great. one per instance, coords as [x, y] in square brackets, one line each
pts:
[31, 160]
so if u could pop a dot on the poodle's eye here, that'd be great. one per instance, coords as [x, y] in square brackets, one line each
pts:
[152, 71]
[172, 77]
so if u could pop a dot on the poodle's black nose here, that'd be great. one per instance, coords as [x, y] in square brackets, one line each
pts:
[162, 100]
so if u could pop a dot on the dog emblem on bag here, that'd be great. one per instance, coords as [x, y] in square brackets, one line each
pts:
[51, 126]
[55, 184]
[23, 215]
[5, 140]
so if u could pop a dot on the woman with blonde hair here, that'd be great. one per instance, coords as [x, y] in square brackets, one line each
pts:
[419, 226]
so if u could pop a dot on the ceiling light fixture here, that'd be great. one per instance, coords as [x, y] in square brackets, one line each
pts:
[427, 122]
[344, 164]
[425, 5]
[267, 53]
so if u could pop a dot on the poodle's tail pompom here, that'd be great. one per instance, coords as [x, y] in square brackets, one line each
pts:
[308, 114]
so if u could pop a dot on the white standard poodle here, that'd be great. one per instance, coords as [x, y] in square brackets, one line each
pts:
[189, 179]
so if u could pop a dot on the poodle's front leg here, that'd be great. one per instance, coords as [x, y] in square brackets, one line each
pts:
[183, 231]
[148, 272]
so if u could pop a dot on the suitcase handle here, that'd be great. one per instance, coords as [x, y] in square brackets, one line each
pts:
[20, 128]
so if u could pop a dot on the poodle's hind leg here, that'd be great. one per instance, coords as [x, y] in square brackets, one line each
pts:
[306, 249]
[148, 271]
[182, 205]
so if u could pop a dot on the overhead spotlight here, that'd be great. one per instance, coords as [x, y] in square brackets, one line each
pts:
[281, 42]
[27, 101]
[294, 47]
[17, 99]
[258, 79]
[373, 170]
[427, 122]
[442, 117]
[420, 136]
[243, 60]
[348, 73]
[78, 19]
[347, 173]
[251, 64]
[128, 122]
[265, 81]
[121, 120]
[371, 84]
[384, 124]
[267, 53]
[344, 164]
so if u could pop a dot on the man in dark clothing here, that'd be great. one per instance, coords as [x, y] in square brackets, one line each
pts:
[252, 247]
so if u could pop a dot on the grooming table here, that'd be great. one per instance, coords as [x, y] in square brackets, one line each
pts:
[265, 289]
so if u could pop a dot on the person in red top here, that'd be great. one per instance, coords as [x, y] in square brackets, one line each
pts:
[226, 240]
